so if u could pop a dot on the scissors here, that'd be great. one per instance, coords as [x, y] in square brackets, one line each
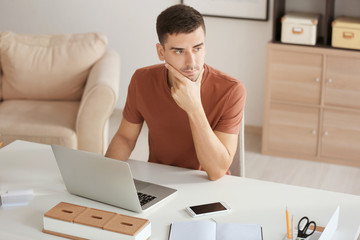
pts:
[302, 231]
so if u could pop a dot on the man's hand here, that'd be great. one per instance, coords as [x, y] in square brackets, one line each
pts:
[215, 151]
[185, 92]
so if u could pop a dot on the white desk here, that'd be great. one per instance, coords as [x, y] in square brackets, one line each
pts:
[30, 165]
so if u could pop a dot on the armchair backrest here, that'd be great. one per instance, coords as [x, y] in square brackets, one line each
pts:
[47, 67]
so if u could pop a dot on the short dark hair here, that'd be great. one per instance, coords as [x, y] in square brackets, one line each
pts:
[176, 19]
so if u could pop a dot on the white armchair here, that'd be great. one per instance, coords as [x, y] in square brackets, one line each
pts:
[57, 89]
[98, 102]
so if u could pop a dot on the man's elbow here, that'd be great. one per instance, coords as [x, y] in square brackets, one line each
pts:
[219, 173]
[216, 176]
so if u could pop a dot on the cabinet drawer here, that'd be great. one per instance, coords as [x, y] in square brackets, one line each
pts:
[293, 129]
[342, 84]
[295, 77]
[341, 135]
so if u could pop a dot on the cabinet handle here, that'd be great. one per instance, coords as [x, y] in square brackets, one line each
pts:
[330, 80]
[313, 132]
[317, 79]
[326, 133]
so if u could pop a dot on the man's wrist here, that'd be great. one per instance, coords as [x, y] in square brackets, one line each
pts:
[196, 114]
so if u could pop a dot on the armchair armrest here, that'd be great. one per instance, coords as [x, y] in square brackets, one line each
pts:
[0, 83]
[98, 102]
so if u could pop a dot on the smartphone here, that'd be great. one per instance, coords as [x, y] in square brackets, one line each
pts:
[206, 209]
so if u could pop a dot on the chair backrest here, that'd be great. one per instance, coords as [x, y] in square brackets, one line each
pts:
[237, 167]
[48, 67]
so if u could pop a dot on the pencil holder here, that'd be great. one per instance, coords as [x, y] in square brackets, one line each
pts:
[292, 237]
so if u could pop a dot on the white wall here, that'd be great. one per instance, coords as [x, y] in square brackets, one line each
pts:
[234, 46]
[129, 25]
[237, 47]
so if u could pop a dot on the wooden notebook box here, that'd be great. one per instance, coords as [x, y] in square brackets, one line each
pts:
[79, 222]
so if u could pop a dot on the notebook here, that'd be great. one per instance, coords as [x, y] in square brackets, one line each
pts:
[210, 230]
[106, 180]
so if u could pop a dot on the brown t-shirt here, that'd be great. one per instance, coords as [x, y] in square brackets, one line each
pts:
[170, 139]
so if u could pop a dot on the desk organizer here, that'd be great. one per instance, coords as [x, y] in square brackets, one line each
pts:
[79, 222]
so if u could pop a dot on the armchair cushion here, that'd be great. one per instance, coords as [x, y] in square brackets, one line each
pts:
[49, 122]
[37, 66]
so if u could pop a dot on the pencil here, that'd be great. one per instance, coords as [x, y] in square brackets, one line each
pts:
[292, 227]
[287, 223]
[1, 144]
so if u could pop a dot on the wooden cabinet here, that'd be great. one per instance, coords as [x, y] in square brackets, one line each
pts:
[312, 96]
[292, 129]
[343, 79]
[296, 76]
[340, 138]
[312, 104]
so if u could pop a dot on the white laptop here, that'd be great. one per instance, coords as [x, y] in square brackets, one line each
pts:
[106, 180]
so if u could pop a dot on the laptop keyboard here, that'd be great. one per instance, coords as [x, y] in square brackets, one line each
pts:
[145, 198]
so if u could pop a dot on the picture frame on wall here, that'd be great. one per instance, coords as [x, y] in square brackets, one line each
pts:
[237, 9]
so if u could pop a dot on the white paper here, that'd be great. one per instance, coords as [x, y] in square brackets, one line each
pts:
[357, 234]
[193, 230]
[331, 227]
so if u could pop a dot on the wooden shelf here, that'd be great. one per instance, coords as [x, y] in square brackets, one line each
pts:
[311, 108]
[326, 20]
[318, 45]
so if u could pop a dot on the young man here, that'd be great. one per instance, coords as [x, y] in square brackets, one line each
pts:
[193, 111]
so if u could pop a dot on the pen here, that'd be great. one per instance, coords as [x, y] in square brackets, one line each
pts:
[287, 223]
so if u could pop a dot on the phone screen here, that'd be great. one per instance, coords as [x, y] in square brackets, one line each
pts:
[206, 208]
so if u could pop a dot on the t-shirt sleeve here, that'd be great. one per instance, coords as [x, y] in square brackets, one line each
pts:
[230, 121]
[131, 111]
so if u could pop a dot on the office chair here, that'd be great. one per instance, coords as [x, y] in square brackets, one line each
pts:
[237, 167]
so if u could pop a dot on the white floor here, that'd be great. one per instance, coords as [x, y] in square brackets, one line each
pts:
[276, 169]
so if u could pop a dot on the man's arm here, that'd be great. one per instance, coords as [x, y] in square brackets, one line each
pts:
[214, 150]
[124, 140]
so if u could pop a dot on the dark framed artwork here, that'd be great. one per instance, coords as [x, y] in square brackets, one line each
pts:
[238, 9]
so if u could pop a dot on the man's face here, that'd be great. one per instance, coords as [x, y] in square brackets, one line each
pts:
[185, 52]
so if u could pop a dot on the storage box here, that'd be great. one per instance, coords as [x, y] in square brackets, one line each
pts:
[79, 222]
[300, 28]
[346, 33]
